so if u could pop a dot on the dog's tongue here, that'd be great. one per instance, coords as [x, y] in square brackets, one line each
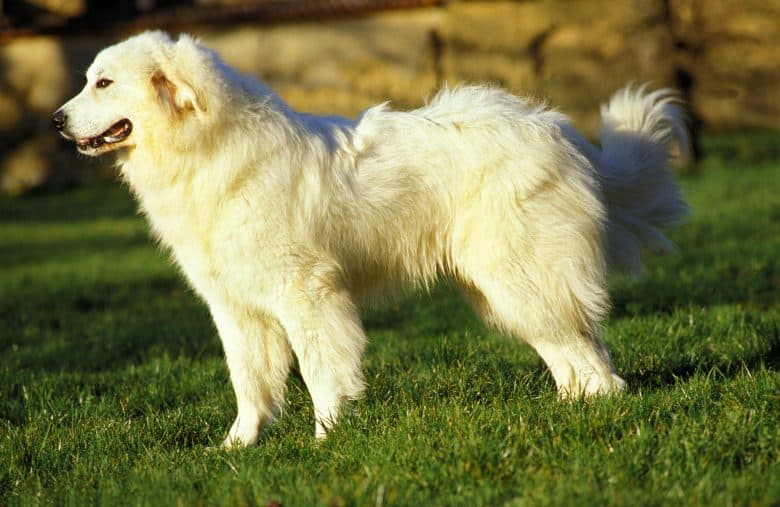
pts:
[114, 134]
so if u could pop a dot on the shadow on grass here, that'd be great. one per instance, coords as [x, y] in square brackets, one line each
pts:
[101, 327]
[678, 370]
[88, 203]
[677, 285]
[110, 244]
[438, 312]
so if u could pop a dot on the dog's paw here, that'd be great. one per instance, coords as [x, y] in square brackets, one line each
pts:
[244, 432]
[586, 386]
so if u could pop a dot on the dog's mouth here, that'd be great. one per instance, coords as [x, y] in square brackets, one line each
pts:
[116, 133]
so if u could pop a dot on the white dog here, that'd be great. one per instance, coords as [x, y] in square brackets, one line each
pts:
[285, 222]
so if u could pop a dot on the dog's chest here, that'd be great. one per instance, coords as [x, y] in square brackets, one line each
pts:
[220, 249]
[187, 237]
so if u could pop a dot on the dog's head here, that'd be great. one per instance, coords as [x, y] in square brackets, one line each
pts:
[142, 91]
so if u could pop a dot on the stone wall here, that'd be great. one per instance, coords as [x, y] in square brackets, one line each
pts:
[722, 54]
[729, 58]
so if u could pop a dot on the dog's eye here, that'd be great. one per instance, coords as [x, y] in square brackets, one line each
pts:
[103, 83]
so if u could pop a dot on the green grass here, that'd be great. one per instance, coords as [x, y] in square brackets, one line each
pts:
[112, 383]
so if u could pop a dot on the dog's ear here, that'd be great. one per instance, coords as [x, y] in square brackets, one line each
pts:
[178, 96]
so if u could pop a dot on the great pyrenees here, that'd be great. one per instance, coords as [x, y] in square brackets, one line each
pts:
[285, 223]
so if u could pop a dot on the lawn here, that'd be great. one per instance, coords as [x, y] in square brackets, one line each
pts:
[113, 386]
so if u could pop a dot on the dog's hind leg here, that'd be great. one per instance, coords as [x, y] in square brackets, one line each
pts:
[326, 335]
[532, 264]
[537, 286]
[556, 326]
[258, 357]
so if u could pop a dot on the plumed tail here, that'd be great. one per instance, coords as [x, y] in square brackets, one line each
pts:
[639, 133]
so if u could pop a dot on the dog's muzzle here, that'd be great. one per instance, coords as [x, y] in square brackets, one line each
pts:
[116, 133]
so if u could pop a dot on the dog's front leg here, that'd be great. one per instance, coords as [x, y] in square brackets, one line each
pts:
[258, 357]
[326, 335]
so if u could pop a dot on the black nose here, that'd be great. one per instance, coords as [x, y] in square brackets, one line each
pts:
[59, 119]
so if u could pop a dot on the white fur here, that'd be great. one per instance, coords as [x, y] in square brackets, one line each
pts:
[285, 223]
